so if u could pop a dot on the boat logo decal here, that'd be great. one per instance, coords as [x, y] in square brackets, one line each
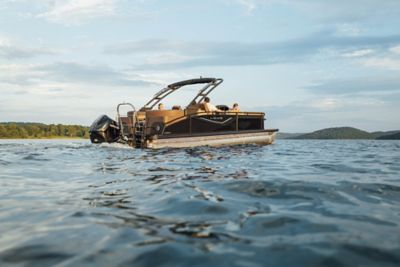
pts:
[215, 120]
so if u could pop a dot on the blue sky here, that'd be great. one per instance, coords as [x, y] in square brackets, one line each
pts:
[308, 64]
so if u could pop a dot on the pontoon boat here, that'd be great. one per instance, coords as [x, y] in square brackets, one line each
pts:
[192, 126]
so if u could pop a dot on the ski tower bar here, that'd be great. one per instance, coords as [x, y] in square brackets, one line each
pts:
[211, 84]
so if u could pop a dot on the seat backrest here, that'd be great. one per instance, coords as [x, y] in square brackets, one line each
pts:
[165, 115]
[206, 107]
[196, 108]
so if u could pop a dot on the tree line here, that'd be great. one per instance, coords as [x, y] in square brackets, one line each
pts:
[40, 130]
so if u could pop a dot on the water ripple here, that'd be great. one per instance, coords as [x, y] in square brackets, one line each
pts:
[309, 203]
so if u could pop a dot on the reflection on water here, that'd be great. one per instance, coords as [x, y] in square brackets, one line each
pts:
[310, 203]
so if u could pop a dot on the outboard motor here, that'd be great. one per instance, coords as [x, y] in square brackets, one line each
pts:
[104, 129]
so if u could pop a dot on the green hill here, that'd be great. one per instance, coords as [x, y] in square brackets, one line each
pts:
[281, 135]
[393, 136]
[337, 133]
[40, 130]
[347, 133]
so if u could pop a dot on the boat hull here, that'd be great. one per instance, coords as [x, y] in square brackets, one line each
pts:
[263, 138]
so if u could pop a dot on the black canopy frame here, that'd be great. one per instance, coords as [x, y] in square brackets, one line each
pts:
[211, 84]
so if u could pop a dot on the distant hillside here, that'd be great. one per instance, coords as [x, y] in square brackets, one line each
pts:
[380, 135]
[395, 136]
[40, 130]
[347, 133]
[280, 135]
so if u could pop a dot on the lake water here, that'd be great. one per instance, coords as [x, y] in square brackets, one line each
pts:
[294, 203]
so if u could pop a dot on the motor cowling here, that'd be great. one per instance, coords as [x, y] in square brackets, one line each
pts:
[104, 129]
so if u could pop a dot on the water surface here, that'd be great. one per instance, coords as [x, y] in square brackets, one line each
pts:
[309, 203]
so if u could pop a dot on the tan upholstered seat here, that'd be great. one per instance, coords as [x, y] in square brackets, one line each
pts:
[206, 107]
[164, 115]
[196, 108]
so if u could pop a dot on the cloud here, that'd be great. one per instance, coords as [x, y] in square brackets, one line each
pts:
[194, 54]
[250, 5]
[358, 53]
[388, 59]
[351, 11]
[78, 11]
[395, 49]
[15, 74]
[364, 112]
[348, 29]
[68, 73]
[383, 63]
[356, 85]
[10, 50]
[67, 91]
[339, 11]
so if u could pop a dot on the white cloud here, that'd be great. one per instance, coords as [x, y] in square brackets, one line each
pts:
[344, 11]
[348, 29]
[78, 11]
[349, 87]
[358, 53]
[250, 5]
[4, 41]
[332, 103]
[359, 111]
[68, 73]
[10, 49]
[168, 54]
[395, 49]
[19, 74]
[382, 63]
[72, 92]
[167, 58]
[326, 103]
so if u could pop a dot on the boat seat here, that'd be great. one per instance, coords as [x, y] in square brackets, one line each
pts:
[140, 115]
[164, 115]
[205, 107]
[197, 108]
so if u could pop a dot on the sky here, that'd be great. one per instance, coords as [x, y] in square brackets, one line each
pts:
[308, 64]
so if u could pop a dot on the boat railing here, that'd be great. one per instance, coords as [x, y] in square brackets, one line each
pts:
[126, 127]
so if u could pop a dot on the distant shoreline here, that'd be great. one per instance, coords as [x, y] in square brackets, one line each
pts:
[32, 130]
[40, 131]
[342, 133]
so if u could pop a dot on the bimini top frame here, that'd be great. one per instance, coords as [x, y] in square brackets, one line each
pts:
[211, 84]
